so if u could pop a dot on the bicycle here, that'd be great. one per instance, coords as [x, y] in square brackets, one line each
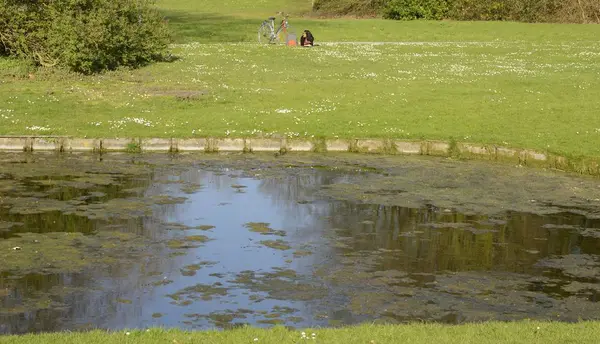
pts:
[267, 33]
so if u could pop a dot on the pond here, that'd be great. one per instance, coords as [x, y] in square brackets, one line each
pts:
[216, 241]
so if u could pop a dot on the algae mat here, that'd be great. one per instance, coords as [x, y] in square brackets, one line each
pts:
[196, 241]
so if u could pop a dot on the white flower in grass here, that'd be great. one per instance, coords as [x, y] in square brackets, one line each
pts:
[38, 128]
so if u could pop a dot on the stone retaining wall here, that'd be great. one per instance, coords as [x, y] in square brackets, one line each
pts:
[284, 145]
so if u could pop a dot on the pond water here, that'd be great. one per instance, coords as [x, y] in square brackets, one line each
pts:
[128, 242]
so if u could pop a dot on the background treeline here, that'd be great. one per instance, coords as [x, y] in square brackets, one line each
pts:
[85, 36]
[565, 11]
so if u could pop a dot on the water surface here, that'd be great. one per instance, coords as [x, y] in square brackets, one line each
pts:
[122, 242]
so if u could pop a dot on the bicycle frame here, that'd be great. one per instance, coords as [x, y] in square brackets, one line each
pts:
[282, 27]
[272, 32]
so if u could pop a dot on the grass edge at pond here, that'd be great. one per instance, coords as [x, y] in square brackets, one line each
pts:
[487, 332]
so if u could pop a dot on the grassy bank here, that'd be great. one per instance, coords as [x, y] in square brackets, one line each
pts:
[519, 85]
[520, 332]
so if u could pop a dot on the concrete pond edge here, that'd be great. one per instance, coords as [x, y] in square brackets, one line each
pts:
[283, 145]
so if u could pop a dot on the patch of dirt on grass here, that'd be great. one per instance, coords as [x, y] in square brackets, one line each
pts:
[179, 94]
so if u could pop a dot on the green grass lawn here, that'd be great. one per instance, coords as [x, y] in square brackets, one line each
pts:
[238, 20]
[520, 85]
[506, 333]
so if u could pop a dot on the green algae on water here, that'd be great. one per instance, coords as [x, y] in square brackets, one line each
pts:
[58, 252]
[164, 199]
[191, 241]
[258, 227]
[197, 238]
[190, 270]
[204, 227]
[171, 226]
[280, 284]
[190, 188]
[199, 292]
[263, 228]
[6, 226]
[302, 253]
[162, 282]
[271, 321]
[276, 244]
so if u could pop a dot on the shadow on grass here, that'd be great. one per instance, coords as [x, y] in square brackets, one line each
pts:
[211, 28]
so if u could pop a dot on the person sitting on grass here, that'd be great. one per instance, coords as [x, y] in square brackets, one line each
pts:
[307, 39]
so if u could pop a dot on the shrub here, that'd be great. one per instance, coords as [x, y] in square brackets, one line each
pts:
[14, 68]
[579, 11]
[416, 9]
[87, 36]
[514, 10]
[348, 7]
[569, 11]
[3, 48]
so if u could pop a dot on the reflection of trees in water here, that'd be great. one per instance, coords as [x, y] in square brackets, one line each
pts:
[76, 298]
[409, 241]
[32, 288]
[377, 238]
[287, 189]
[168, 180]
[293, 197]
[53, 302]
[56, 220]
[427, 240]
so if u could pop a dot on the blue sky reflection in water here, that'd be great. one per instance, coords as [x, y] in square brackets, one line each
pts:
[331, 262]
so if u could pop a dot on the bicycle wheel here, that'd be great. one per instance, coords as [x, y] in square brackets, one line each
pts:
[264, 33]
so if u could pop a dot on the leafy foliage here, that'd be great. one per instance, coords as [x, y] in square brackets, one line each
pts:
[348, 7]
[87, 36]
[416, 9]
[512, 10]
[570, 11]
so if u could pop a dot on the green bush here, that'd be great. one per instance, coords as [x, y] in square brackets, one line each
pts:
[348, 7]
[416, 9]
[514, 10]
[86, 36]
[3, 48]
[14, 68]
[569, 11]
